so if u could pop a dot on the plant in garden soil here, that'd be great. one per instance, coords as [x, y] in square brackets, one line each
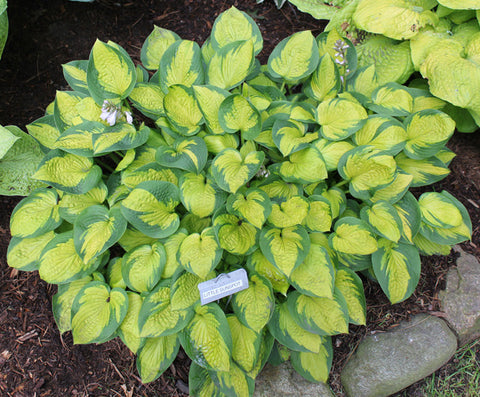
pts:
[281, 172]
[397, 38]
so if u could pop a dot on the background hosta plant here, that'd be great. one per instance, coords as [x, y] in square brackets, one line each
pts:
[291, 171]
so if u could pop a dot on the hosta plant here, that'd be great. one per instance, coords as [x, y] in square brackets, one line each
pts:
[284, 170]
[396, 38]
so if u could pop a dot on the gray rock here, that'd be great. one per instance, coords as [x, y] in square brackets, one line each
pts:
[461, 300]
[284, 381]
[385, 363]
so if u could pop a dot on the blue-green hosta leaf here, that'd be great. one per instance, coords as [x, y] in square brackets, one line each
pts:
[235, 25]
[150, 207]
[409, 212]
[121, 136]
[181, 63]
[332, 151]
[235, 382]
[254, 205]
[65, 109]
[325, 81]
[24, 253]
[62, 302]
[231, 65]
[78, 139]
[314, 367]
[207, 339]
[188, 154]
[75, 72]
[289, 137]
[303, 166]
[397, 269]
[353, 236]
[257, 263]
[236, 113]
[424, 172]
[156, 356]
[129, 331]
[36, 214]
[182, 110]
[294, 58]
[155, 46]
[319, 217]
[384, 220]
[285, 248]
[350, 286]
[184, 290]
[143, 266]
[45, 131]
[68, 172]
[340, 118]
[200, 253]
[383, 133]
[427, 132]
[322, 316]
[367, 169]
[289, 213]
[287, 331]
[209, 99]
[392, 99]
[148, 98]
[235, 235]
[246, 343]
[232, 170]
[71, 205]
[199, 195]
[110, 72]
[97, 312]
[254, 306]
[96, 229]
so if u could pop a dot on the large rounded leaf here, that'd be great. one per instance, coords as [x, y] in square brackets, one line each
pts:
[24, 253]
[245, 343]
[235, 235]
[384, 220]
[353, 236]
[155, 46]
[209, 99]
[182, 110]
[71, 205]
[253, 205]
[236, 113]
[314, 367]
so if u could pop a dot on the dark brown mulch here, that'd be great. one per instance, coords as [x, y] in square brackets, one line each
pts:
[34, 359]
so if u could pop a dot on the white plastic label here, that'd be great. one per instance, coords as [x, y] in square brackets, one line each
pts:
[223, 285]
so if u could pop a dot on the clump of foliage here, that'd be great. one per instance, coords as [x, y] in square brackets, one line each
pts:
[284, 170]
[397, 38]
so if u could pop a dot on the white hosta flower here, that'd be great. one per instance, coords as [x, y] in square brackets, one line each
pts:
[129, 117]
[111, 113]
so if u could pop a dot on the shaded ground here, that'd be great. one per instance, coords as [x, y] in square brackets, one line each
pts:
[34, 360]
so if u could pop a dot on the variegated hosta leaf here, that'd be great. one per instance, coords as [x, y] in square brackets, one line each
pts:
[395, 191]
[172, 244]
[332, 151]
[261, 97]
[184, 290]
[276, 187]
[194, 224]
[36, 214]
[427, 247]
[289, 213]
[209, 99]
[75, 72]
[133, 238]
[233, 382]
[149, 172]
[383, 133]
[319, 216]
[444, 219]
[78, 139]
[235, 235]
[182, 110]
[424, 172]
[232, 170]
[230, 65]
[257, 263]
[351, 287]
[62, 303]
[314, 367]
[246, 343]
[340, 118]
[364, 81]
[71, 205]
[65, 111]
[315, 276]
[217, 143]
[353, 236]
[237, 114]
[266, 346]
[156, 356]
[325, 81]
[427, 132]
[148, 98]
[409, 212]
[60, 263]
[285, 248]
[110, 72]
[200, 383]
[304, 166]
[129, 331]
[181, 63]
[287, 331]
[235, 25]
[97, 312]
[157, 318]
[294, 58]
[384, 220]
[96, 229]
[143, 266]
[150, 207]
[367, 169]
[188, 154]
[289, 137]
[114, 273]
[397, 269]
[254, 306]
[199, 195]
[254, 205]
[322, 316]
[200, 253]
[68, 172]
[121, 136]
[337, 200]
[392, 99]
[207, 339]
[155, 46]
[24, 253]
[45, 131]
